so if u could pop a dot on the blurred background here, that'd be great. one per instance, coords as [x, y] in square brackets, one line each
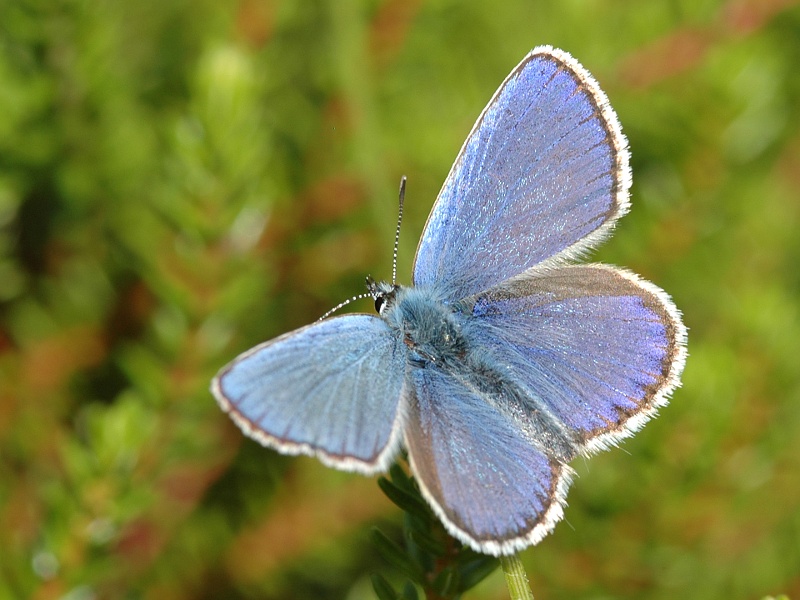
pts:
[182, 180]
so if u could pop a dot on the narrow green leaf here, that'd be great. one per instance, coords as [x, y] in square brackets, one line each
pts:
[403, 480]
[410, 591]
[408, 502]
[424, 540]
[395, 555]
[446, 582]
[383, 589]
[475, 570]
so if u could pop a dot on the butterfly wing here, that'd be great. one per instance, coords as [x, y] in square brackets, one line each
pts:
[570, 360]
[491, 487]
[332, 390]
[593, 347]
[542, 176]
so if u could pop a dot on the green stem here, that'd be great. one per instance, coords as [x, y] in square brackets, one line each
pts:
[516, 578]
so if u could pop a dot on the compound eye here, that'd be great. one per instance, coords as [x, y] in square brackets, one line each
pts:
[380, 301]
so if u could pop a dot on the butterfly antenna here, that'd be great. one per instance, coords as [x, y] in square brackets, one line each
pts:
[394, 255]
[345, 303]
[397, 231]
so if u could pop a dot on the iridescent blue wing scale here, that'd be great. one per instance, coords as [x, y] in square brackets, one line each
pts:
[594, 347]
[542, 177]
[562, 362]
[580, 356]
[331, 390]
[491, 486]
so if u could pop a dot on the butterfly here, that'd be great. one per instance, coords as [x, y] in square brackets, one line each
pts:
[506, 359]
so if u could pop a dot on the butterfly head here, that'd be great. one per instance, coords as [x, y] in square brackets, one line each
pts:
[382, 292]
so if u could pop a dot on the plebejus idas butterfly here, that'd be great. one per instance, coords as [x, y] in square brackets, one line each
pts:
[505, 360]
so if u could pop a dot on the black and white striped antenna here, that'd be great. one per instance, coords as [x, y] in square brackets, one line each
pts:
[394, 256]
[397, 231]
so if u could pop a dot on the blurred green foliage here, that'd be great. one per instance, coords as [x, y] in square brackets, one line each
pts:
[181, 180]
[433, 562]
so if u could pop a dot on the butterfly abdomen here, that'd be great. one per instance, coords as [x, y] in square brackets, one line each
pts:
[437, 335]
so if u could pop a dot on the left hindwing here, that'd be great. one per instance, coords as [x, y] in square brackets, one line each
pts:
[477, 466]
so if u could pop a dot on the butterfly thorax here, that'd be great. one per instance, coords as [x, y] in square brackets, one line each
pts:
[437, 333]
[430, 328]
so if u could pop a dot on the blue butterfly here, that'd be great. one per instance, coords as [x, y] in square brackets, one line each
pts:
[505, 360]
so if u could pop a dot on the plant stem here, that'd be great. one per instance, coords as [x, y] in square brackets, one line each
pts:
[516, 578]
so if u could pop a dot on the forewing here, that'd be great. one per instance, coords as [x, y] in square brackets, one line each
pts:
[491, 487]
[542, 176]
[331, 390]
[594, 347]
